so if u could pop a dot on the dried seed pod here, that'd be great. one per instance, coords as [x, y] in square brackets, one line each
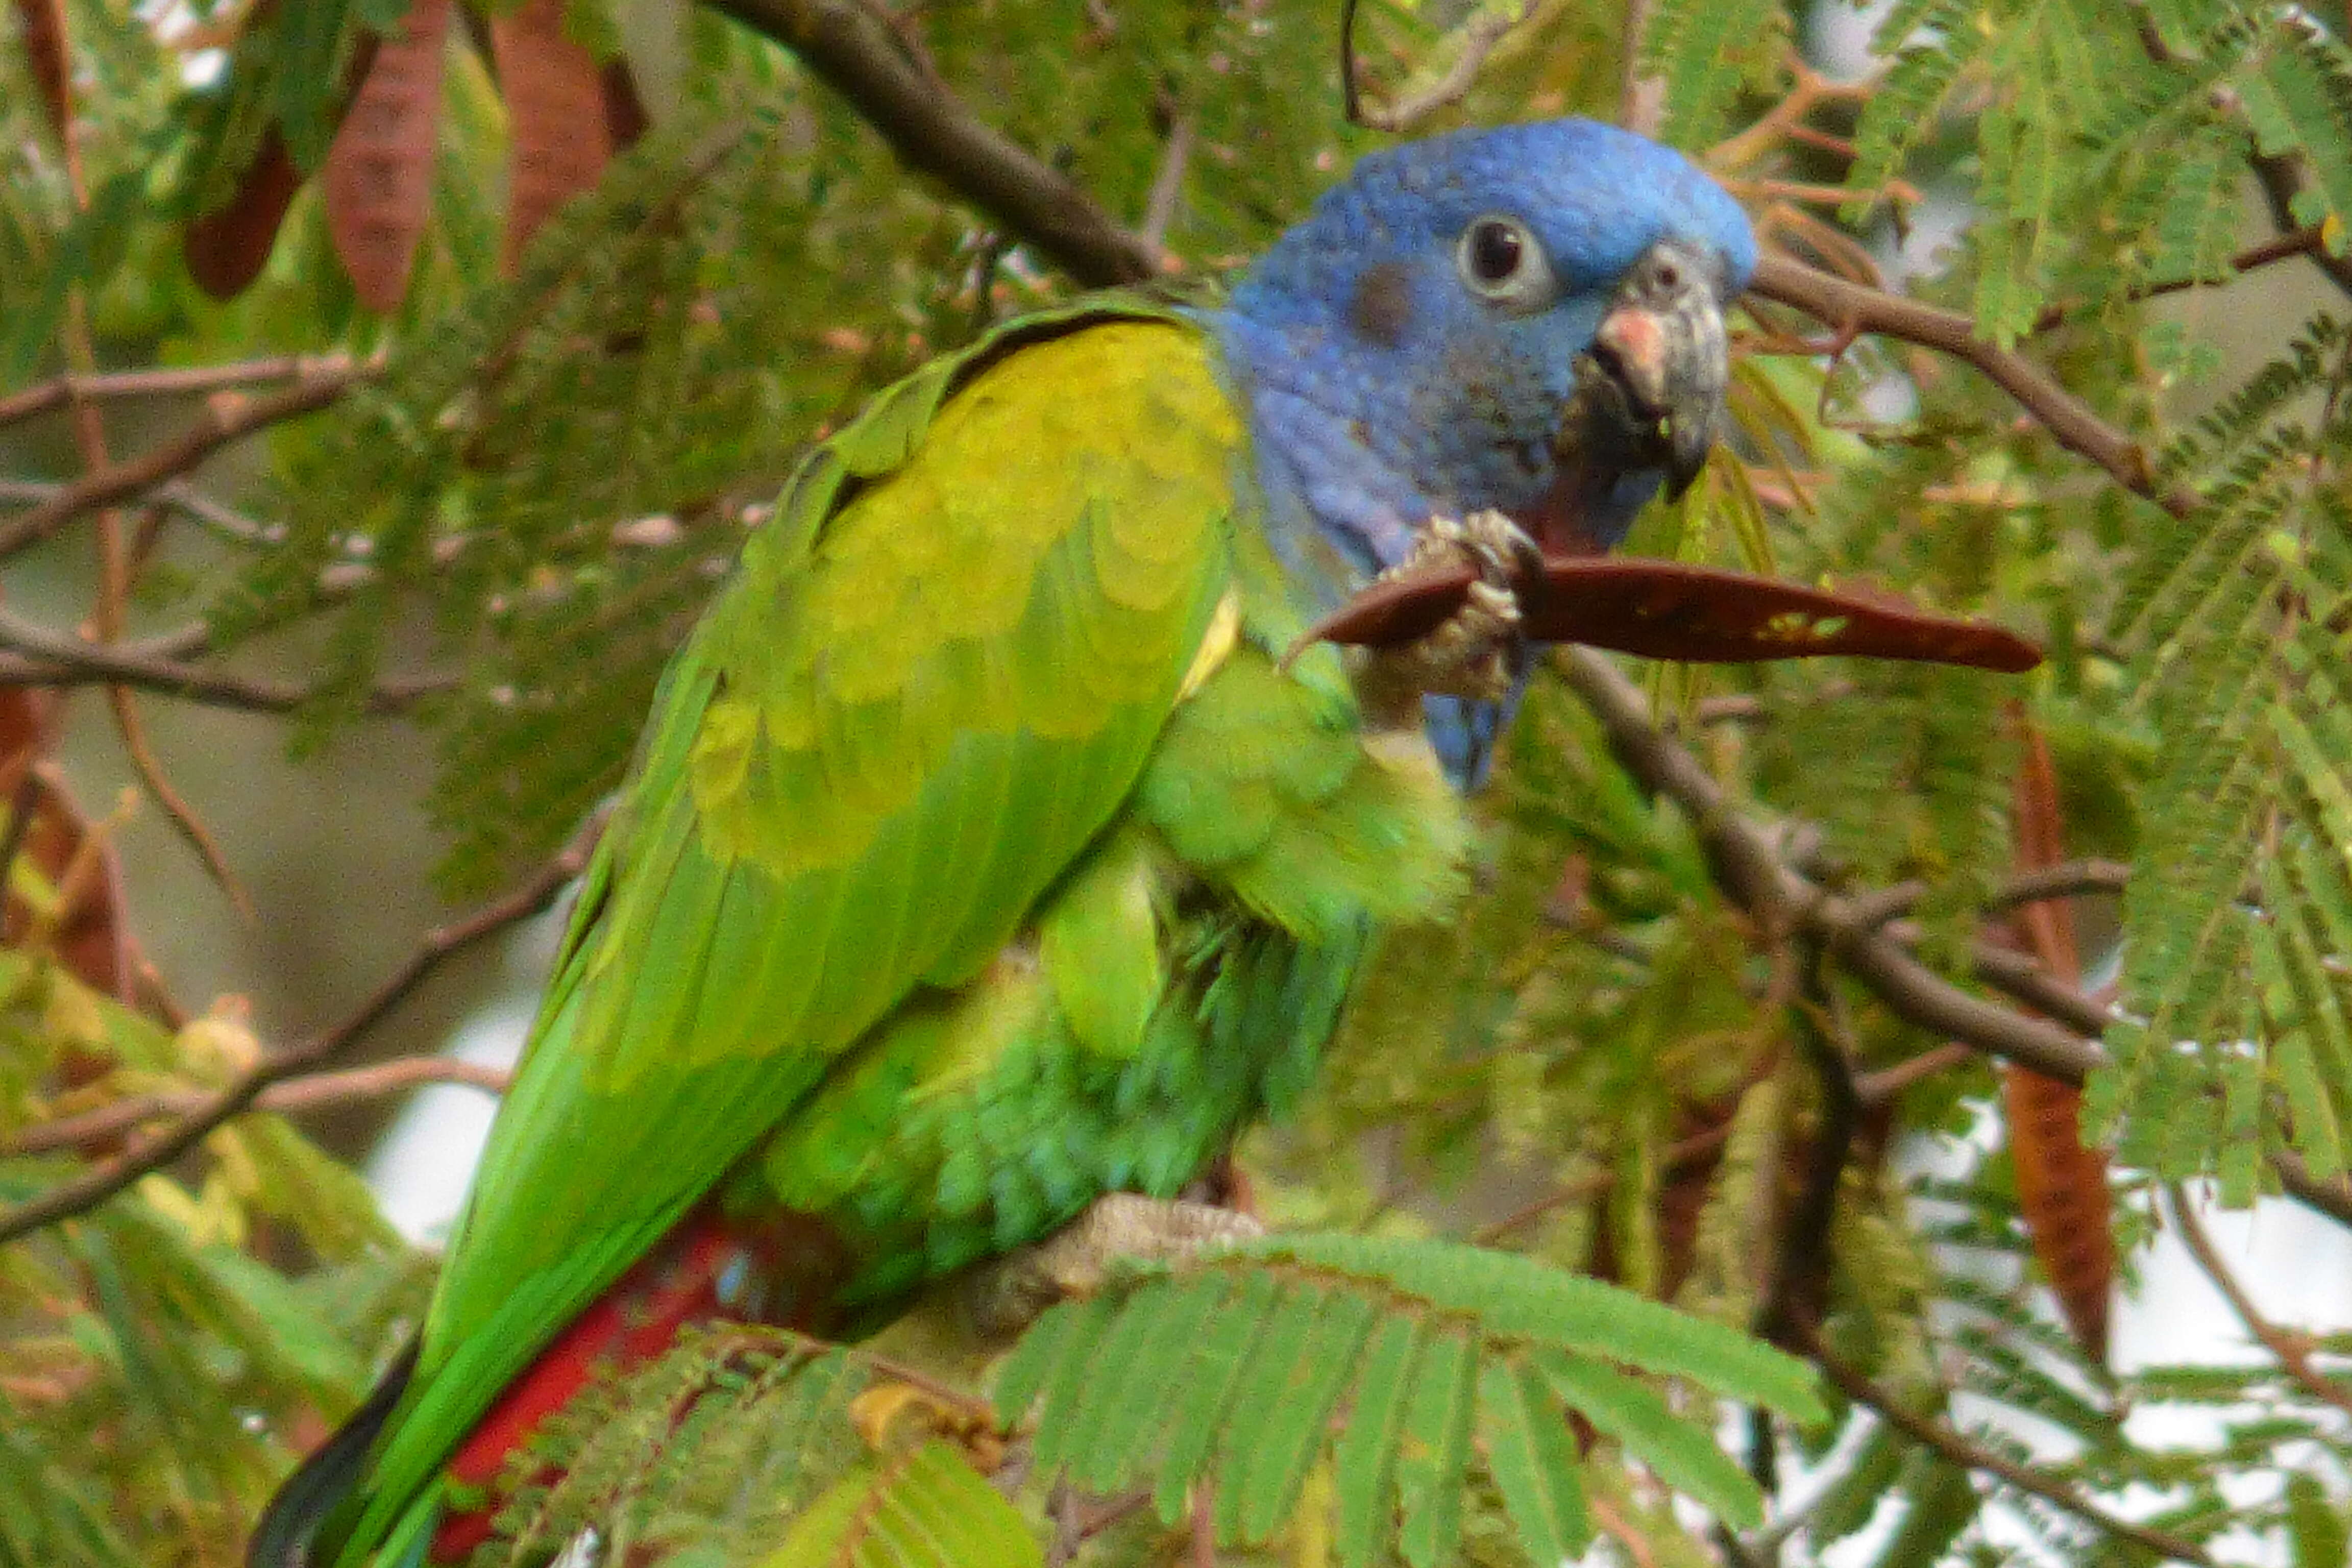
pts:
[378, 182]
[559, 126]
[1668, 609]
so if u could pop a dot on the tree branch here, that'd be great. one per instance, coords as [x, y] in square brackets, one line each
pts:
[227, 419]
[302, 1093]
[1479, 36]
[855, 53]
[1851, 307]
[2292, 1349]
[1970, 1456]
[2294, 242]
[104, 1180]
[1750, 873]
[169, 381]
[48, 659]
[224, 520]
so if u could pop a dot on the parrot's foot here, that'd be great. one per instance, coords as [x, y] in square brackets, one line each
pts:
[1006, 1296]
[1479, 651]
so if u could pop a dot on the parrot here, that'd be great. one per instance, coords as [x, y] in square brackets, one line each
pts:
[991, 850]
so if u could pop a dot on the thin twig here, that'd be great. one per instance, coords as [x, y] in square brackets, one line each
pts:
[1801, 1265]
[2291, 1348]
[1641, 99]
[46, 658]
[102, 1181]
[1970, 1456]
[1168, 182]
[1680, 1157]
[303, 1093]
[115, 577]
[227, 419]
[2293, 243]
[1875, 1088]
[1479, 36]
[225, 521]
[166, 381]
[1851, 307]
[858, 56]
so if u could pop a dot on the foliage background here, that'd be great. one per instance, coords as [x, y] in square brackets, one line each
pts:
[1723, 1023]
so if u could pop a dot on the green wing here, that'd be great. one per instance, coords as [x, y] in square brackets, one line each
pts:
[938, 673]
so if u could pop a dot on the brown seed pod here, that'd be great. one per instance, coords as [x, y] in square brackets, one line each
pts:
[378, 181]
[1668, 609]
[2062, 1186]
[42, 29]
[558, 127]
[227, 248]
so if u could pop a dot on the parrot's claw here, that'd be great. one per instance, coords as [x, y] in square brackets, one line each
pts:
[1479, 651]
[1005, 1297]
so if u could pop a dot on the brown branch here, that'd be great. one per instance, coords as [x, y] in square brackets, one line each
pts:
[1745, 866]
[1875, 1088]
[855, 53]
[311, 1089]
[2281, 247]
[227, 419]
[1479, 36]
[170, 381]
[102, 1181]
[2284, 176]
[2293, 1348]
[1970, 1456]
[1641, 99]
[2023, 979]
[1800, 1263]
[1680, 1157]
[48, 658]
[1776, 896]
[225, 521]
[1851, 307]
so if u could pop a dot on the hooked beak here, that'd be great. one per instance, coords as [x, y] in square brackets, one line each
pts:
[1658, 368]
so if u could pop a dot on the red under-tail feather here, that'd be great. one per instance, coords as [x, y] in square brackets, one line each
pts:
[778, 1270]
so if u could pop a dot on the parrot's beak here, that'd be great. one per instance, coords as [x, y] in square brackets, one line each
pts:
[1662, 364]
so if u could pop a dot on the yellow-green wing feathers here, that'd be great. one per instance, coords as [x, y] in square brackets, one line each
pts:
[940, 671]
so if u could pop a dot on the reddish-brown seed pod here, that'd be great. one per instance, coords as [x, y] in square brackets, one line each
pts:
[559, 133]
[2062, 1187]
[90, 938]
[42, 24]
[1669, 609]
[378, 181]
[227, 248]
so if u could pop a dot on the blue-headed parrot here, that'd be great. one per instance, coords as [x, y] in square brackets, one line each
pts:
[987, 852]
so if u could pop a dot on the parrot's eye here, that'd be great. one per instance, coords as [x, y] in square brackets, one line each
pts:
[1504, 263]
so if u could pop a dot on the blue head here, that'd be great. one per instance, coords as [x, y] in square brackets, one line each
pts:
[1526, 319]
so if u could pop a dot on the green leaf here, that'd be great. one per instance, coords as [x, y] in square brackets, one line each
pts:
[1532, 1455]
[1433, 1450]
[1683, 1452]
[1514, 1297]
[924, 1507]
[1366, 1449]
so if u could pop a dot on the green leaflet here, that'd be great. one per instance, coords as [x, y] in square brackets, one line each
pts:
[1532, 1454]
[1251, 1365]
[1367, 1447]
[920, 1508]
[1517, 1296]
[1435, 1447]
[1683, 1456]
